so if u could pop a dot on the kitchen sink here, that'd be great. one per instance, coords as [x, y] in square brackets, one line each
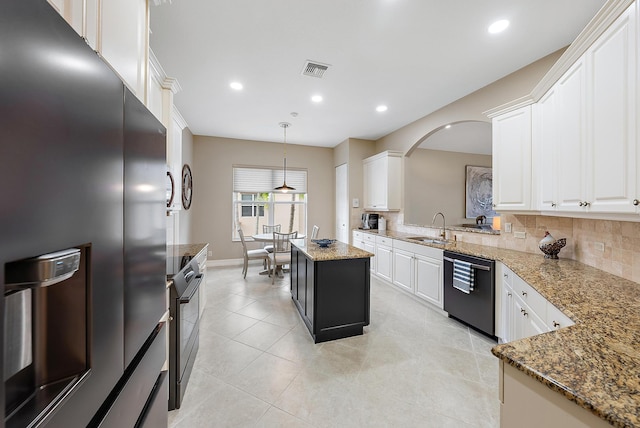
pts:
[428, 240]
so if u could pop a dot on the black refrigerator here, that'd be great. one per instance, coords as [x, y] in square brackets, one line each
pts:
[83, 172]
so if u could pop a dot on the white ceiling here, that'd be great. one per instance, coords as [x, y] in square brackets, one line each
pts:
[414, 56]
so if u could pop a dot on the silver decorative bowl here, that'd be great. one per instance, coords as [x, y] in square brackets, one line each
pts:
[323, 243]
[551, 250]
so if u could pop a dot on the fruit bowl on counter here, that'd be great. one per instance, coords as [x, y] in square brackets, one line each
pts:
[323, 243]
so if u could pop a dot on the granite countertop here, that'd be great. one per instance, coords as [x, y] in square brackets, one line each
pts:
[596, 362]
[180, 250]
[336, 251]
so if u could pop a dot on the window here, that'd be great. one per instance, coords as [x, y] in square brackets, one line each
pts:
[255, 203]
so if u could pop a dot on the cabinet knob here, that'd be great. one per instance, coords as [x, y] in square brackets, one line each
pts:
[506, 275]
[586, 204]
[556, 324]
[493, 205]
[524, 293]
[509, 294]
[581, 204]
[553, 204]
[636, 202]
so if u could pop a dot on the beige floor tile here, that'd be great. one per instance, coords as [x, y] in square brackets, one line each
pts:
[261, 335]
[266, 377]
[258, 366]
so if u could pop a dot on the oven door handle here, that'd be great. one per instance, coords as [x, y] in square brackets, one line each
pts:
[191, 290]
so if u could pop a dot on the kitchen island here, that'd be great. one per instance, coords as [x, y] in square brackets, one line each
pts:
[330, 287]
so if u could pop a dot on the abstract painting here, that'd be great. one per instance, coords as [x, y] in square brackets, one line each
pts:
[479, 192]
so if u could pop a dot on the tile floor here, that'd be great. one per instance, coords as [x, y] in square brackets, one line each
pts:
[257, 365]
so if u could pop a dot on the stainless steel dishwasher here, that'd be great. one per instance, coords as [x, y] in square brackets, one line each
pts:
[476, 308]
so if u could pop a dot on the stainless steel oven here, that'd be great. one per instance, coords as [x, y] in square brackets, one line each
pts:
[184, 309]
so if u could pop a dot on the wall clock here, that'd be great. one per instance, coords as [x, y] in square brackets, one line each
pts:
[170, 189]
[187, 187]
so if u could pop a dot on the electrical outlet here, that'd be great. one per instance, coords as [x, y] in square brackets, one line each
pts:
[599, 246]
[210, 253]
[355, 203]
[520, 235]
[507, 227]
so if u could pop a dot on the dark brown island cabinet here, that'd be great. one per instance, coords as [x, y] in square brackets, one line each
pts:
[330, 287]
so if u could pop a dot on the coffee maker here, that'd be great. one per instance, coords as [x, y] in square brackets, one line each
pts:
[369, 221]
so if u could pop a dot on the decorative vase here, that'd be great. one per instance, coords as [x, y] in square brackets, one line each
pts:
[550, 246]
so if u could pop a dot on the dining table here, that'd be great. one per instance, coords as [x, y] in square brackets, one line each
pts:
[268, 237]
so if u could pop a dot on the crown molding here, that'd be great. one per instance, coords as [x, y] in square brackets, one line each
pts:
[158, 72]
[178, 118]
[611, 10]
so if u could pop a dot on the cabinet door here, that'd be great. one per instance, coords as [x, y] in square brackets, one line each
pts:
[71, 11]
[371, 247]
[429, 284]
[545, 142]
[375, 177]
[507, 321]
[612, 118]
[123, 41]
[384, 261]
[512, 160]
[403, 269]
[571, 133]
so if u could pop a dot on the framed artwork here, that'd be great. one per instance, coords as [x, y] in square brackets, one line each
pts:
[479, 192]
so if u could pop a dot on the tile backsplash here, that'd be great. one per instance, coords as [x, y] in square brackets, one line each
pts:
[612, 246]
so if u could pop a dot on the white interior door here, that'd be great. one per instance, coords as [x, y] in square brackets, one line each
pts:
[342, 203]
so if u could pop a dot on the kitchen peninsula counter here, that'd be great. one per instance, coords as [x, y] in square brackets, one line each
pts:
[330, 288]
[594, 363]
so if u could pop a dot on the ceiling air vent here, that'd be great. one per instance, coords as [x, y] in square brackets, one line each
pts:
[314, 69]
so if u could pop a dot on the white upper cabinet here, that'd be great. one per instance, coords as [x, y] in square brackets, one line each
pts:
[383, 181]
[571, 148]
[123, 41]
[545, 143]
[512, 160]
[612, 117]
[118, 30]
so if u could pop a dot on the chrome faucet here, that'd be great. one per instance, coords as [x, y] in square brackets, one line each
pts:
[443, 234]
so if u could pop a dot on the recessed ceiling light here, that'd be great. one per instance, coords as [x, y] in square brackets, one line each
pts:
[316, 98]
[498, 26]
[447, 127]
[236, 85]
[381, 108]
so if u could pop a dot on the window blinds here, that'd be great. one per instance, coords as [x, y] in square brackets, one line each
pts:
[264, 180]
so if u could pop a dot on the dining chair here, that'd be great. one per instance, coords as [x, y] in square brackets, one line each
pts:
[259, 254]
[314, 232]
[270, 229]
[281, 251]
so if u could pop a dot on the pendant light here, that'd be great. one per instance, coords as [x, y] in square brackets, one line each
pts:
[284, 188]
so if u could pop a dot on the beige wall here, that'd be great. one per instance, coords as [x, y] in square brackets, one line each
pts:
[470, 107]
[213, 160]
[185, 216]
[435, 182]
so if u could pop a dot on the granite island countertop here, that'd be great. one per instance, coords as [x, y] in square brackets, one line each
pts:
[336, 251]
[594, 363]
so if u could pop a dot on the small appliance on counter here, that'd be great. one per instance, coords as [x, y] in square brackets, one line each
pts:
[369, 221]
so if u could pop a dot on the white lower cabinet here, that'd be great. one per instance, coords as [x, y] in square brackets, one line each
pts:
[403, 269]
[429, 279]
[357, 240]
[369, 243]
[384, 257]
[523, 312]
[417, 269]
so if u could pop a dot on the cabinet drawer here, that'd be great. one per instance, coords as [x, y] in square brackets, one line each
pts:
[384, 240]
[369, 237]
[358, 236]
[531, 297]
[507, 276]
[556, 319]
